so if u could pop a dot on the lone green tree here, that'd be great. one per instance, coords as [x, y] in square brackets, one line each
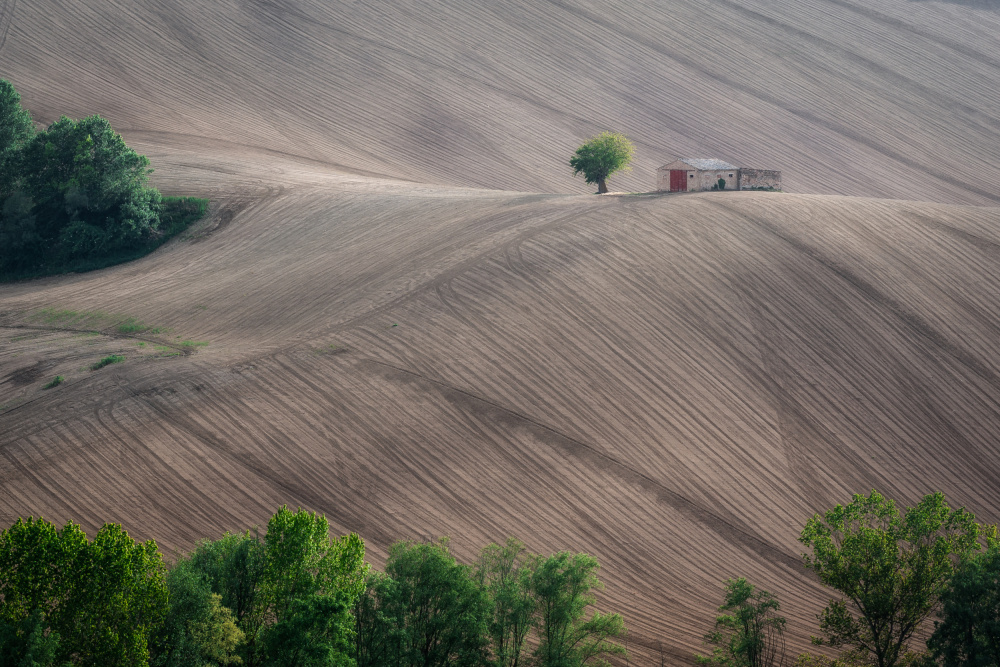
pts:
[601, 156]
[890, 567]
[969, 631]
[750, 633]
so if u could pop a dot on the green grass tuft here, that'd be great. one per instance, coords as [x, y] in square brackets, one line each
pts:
[133, 326]
[56, 381]
[107, 361]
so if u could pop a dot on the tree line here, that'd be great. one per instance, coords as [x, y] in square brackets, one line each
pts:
[75, 197]
[292, 597]
[296, 597]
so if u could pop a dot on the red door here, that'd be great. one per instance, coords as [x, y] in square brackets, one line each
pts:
[678, 180]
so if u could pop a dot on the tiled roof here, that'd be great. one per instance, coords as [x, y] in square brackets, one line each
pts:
[707, 164]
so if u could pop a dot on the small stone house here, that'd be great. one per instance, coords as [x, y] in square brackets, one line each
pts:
[695, 174]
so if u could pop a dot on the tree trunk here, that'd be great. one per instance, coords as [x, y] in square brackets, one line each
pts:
[602, 187]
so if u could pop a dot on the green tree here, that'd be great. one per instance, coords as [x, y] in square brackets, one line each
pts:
[313, 632]
[602, 156]
[291, 592]
[379, 634]
[504, 574]
[101, 599]
[436, 602]
[891, 568]
[29, 643]
[16, 129]
[89, 189]
[969, 632]
[564, 586]
[234, 568]
[198, 631]
[750, 633]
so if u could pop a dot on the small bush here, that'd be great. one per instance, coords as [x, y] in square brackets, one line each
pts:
[107, 361]
[722, 184]
[56, 381]
[134, 326]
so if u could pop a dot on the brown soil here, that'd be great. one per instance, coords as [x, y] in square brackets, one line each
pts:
[672, 383]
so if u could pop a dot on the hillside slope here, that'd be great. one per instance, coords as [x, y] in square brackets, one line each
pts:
[673, 383]
[898, 100]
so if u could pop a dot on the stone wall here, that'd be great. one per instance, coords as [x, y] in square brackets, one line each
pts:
[708, 180]
[759, 178]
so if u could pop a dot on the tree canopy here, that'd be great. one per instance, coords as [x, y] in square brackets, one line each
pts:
[75, 194]
[602, 156]
[290, 593]
[564, 585]
[16, 129]
[969, 631]
[95, 602]
[890, 566]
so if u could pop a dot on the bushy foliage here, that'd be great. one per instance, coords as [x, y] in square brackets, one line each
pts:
[969, 630]
[503, 572]
[427, 609]
[891, 568]
[294, 597]
[65, 598]
[433, 612]
[16, 129]
[564, 585]
[89, 189]
[291, 591]
[750, 633]
[602, 156]
[198, 631]
[74, 196]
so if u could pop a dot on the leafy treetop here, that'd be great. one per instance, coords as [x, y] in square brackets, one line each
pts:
[601, 156]
[890, 566]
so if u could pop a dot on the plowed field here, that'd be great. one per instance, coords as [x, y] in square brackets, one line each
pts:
[373, 323]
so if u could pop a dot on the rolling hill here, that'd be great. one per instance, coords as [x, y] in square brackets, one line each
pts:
[404, 313]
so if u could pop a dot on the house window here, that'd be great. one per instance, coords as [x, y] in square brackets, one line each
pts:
[690, 175]
[730, 175]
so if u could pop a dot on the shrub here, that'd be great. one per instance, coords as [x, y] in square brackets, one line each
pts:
[107, 361]
[751, 633]
[55, 382]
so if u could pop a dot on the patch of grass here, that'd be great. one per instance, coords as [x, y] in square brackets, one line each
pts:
[166, 351]
[93, 319]
[141, 344]
[176, 215]
[55, 382]
[191, 344]
[107, 361]
[133, 326]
